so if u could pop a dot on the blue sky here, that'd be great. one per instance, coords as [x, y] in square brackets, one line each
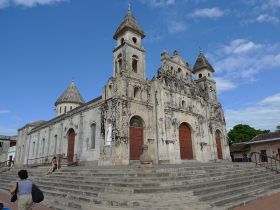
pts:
[44, 44]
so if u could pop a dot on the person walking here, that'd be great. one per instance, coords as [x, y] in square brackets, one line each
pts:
[23, 188]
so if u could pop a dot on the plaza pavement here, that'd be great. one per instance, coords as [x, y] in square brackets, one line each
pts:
[5, 198]
[271, 202]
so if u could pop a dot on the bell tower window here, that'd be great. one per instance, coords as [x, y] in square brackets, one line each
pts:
[134, 63]
[183, 104]
[122, 40]
[134, 40]
[119, 63]
[200, 75]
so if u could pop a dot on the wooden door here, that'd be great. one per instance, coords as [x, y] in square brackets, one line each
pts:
[185, 138]
[71, 146]
[136, 142]
[219, 147]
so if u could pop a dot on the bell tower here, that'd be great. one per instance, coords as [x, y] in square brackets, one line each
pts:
[129, 55]
[203, 72]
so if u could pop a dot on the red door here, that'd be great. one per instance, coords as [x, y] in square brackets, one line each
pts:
[185, 138]
[219, 148]
[71, 145]
[136, 142]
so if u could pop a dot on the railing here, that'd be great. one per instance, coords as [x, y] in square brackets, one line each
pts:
[265, 161]
[43, 161]
[243, 159]
[47, 160]
[7, 163]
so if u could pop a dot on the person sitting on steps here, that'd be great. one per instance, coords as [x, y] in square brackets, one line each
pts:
[54, 166]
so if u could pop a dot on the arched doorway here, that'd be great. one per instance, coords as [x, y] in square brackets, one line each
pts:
[71, 145]
[185, 138]
[219, 145]
[136, 137]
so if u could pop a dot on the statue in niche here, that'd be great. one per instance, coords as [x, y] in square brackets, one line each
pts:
[109, 133]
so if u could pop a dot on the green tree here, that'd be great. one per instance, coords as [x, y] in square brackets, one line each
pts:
[278, 128]
[242, 133]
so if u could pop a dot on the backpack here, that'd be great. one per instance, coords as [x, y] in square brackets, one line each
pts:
[14, 195]
[37, 194]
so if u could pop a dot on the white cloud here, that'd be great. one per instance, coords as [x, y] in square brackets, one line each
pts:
[243, 59]
[264, 115]
[27, 3]
[264, 18]
[4, 111]
[239, 46]
[272, 100]
[208, 13]
[176, 27]
[157, 3]
[4, 3]
[224, 84]
[270, 4]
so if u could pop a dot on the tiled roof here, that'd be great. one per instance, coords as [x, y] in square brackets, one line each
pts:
[239, 147]
[267, 136]
[129, 23]
[201, 63]
[71, 95]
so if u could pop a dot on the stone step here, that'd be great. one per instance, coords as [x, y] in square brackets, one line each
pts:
[237, 198]
[96, 183]
[151, 175]
[236, 190]
[226, 180]
[220, 187]
[203, 189]
[120, 182]
[93, 188]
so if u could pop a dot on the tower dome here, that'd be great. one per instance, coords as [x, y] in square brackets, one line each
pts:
[70, 99]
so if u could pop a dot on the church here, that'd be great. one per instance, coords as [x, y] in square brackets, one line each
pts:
[176, 114]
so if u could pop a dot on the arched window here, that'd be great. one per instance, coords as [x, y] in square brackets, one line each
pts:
[33, 148]
[209, 75]
[179, 73]
[118, 63]
[60, 110]
[110, 90]
[55, 143]
[122, 40]
[65, 109]
[134, 40]
[183, 104]
[43, 147]
[116, 67]
[200, 75]
[136, 121]
[135, 63]
[70, 107]
[92, 139]
[136, 92]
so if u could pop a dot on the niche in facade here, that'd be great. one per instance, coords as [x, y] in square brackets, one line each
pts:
[137, 92]
[135, 63]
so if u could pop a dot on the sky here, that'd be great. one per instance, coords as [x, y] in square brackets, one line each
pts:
[45, 44]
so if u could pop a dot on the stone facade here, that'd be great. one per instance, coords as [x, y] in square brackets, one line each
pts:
[179, 118]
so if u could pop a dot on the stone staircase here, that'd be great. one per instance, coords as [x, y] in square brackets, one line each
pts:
[189, 186]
